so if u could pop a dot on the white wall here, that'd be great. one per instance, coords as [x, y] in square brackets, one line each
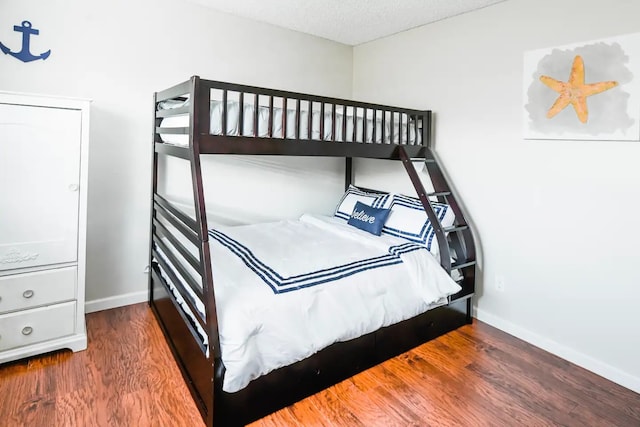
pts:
[118, 53]
[557, 219]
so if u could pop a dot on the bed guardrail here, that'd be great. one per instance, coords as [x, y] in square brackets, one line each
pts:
[247, 113]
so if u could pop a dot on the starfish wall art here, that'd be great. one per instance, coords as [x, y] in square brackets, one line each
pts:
[584, 91]
[575, 91]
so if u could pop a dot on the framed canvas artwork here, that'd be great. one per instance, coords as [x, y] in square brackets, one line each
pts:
[584, 91]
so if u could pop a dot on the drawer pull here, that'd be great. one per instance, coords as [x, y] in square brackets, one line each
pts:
[28, 293]
[27, 330]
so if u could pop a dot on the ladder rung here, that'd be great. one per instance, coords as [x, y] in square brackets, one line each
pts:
[439, 193]
[462, 264]
[455, 228]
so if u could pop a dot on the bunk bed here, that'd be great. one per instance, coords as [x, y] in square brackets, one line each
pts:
[201, 117]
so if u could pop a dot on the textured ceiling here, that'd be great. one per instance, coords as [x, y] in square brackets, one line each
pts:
[350, 22]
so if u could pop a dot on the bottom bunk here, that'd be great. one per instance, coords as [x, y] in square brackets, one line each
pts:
[301, 304]
[289, 384]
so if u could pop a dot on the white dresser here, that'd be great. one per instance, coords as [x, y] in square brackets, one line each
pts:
[43, 206]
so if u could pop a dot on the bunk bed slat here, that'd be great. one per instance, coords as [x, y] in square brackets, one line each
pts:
[284, 118]
[408, 130]
[188, 278]
[344, 123]
[333, 123]
[310, 120]
[172, 150]
[384, 127]
[224, 112]
[186, 219]
[241, 114]
[172, 112]
[355, 124]
[270, 130]
[364, 125]
[173, 130]
[375, 125]
[321, 121]
[183, 229]
[256, 110]
[297, 120]
[176, 244]
[392, 129]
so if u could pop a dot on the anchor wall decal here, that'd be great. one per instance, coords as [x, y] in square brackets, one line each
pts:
[25, 55]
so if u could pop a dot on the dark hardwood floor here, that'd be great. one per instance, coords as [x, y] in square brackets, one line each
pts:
[475, 376]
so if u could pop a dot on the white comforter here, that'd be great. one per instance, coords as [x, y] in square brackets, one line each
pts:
[311, 283]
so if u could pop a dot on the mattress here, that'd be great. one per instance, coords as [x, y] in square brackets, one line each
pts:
[277, 306]
[233, 109]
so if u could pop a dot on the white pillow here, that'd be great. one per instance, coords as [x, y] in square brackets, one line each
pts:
[409, 221]
[354, 195]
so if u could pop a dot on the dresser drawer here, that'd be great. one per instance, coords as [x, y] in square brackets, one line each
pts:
[26, 327]
[28, 290]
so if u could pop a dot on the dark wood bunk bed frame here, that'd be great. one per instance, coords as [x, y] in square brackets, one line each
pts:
[204, 372]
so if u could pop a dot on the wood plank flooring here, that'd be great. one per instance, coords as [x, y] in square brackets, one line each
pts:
[475, 376]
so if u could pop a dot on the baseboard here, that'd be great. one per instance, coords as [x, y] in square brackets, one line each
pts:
[116, 301]
[587, 362]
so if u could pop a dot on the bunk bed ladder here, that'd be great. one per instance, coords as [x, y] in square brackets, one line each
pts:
[457, 240]
[445, 261]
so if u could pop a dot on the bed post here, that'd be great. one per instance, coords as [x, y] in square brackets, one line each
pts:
[348, 172]
[154, 189]
[200, 125]
[426, 129]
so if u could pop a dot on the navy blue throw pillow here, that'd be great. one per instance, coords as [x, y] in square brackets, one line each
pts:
[368, 219]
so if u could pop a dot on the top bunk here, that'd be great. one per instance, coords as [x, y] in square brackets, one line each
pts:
[210, 117]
